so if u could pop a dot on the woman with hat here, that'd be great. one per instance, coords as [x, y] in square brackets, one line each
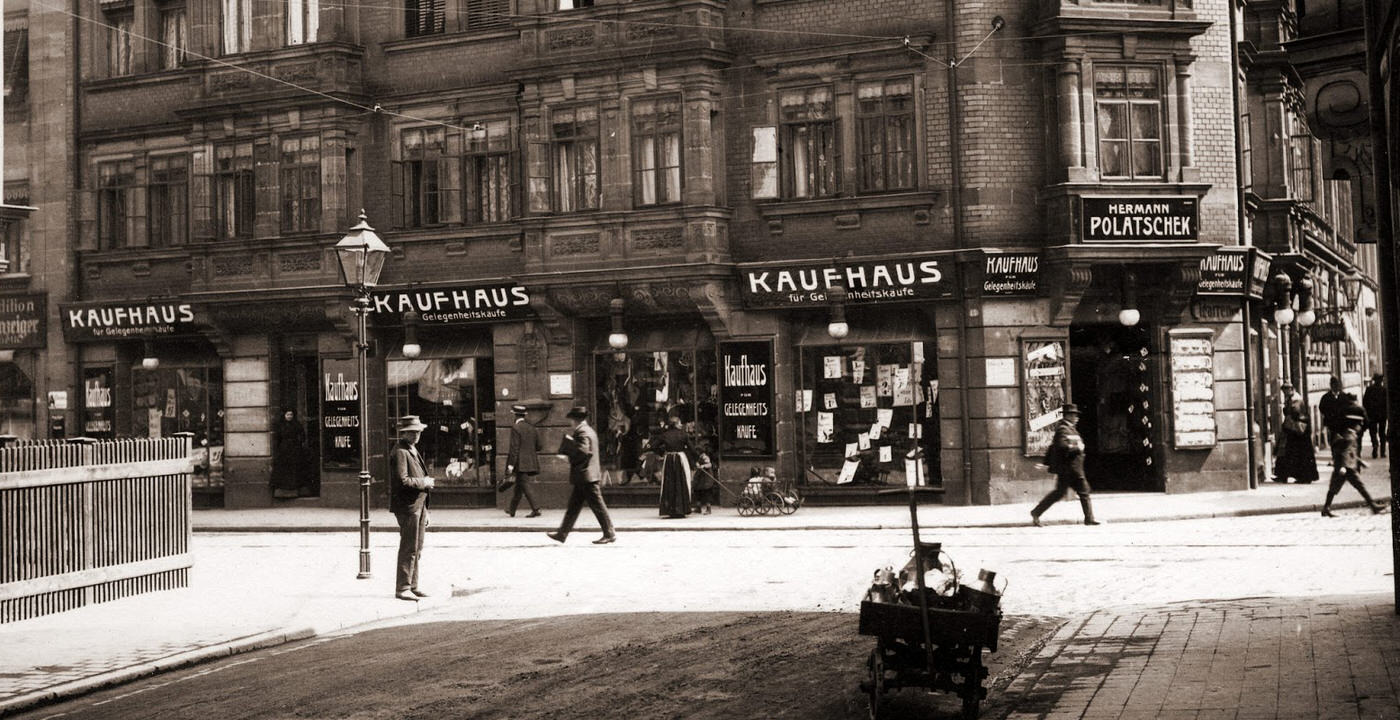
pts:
[674, 445]
[1296, 458]
[409, 484]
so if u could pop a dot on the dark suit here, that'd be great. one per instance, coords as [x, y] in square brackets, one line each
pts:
[585, 474]
[1374, 401]
[1333, 406]
[523, 460]
[410, 508]
[1066, 460]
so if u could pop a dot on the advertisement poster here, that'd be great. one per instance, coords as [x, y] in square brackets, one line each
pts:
[97, 403]
[746, 398]
[1044, 364]
[340, 413]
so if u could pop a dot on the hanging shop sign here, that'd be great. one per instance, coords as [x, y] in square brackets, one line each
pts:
[871, 281]
[465, 304]
[1328, 332]
[746, 412]
[110, 321]
[1193, 388]
[340, 413]
[1011, 274]
[22, 321]
[1238, 271]
[1146, 219]
[97, 403]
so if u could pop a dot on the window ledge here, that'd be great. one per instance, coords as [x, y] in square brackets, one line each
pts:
[141, 79]
[784, 208]
[424, 42]
[14, 280]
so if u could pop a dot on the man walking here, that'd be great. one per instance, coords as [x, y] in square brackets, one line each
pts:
[523, 460]
[585, 473]
[409, 485]
[1333, 406]
[1065, 458]
[1345, 460]
[1374, 403]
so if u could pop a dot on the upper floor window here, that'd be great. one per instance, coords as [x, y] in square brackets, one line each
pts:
[490, 186]
[810, 150]
[14, 250]
[16, 65]
[174, 35]
[1128, 102]
[483, 14]
[233, 191]
[885, 134]
[425, 17]
[120, 57]
[303, 20]
[116, 203]
[656, 150]
[574, 140]
[422, 176]
[168, 194]
[574, 4]
[300, 184]
[237, 18]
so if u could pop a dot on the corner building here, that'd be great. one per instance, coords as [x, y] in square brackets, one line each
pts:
[786, 222]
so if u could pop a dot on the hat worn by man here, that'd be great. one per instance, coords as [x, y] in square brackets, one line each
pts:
[1069, 408]
[411, 423]
[578, 412]
[519, 409]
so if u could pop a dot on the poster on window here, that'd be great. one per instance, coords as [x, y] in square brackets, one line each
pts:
[1045, 392]
[1193, 389]
[746, 398]
[340, 413]
[97, 403]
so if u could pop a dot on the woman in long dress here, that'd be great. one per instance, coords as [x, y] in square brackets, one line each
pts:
[674, 446]
[1296, 458]
[287, 458]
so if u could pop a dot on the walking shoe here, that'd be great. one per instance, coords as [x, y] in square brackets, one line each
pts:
[556, 537]
[1377, 508]
[605, 540]
[1035, 520]
[533, 513]
[1092, 522]
[510, 513]
[406, 595]
[419, 593]
[1327, 512]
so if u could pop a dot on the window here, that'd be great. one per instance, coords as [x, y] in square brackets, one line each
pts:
[233, 191]
[300, 183]
[430, 177]
[115, 181]
[1129, 104]
[656, 150]
[639, 391]
[120, 61]
[885, 131]
[484, 14]
[1246, 153]
[455, 397]
[303, 20]
[16, 65]
[574, 4]
[13, 249]
[489, 187]
[810, 151]
[169, 199]
[174, 36]
[574, 135]
[425, 17]
[238, 25]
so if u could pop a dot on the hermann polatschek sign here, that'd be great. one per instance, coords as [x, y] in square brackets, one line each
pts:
[1140, 219]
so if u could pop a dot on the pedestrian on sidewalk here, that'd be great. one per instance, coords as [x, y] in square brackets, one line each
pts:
[289, 458]
[1333, 407]
[674, 445]
[409, 485]
[1346, 461]
[523, 460]
[580, 446]
[1065, 458]
[1373, 401]
[1296, 457]
[706, 486]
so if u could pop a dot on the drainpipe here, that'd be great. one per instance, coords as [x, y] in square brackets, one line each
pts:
[950, 13]
[1249, 409]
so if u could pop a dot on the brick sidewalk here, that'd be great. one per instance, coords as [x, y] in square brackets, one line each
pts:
[1327, 658]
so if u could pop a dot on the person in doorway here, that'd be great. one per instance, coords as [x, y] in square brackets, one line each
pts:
[288, 457]
[1065, 458]
[674, 445]
[580, 446]
[1296, 457]
[523, 460]
[1373, 401]
[1333, 405]
[409, 485]
[1346, 460]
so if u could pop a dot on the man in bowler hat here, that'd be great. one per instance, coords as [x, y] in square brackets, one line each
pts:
[580, 446]
[1066, 459]
[409, 485]
[523, 460]
[1373, 401]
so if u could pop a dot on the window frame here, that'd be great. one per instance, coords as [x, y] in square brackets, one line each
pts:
[882, 118]
[160, 233]
[423, 18]
[173, 51]
[238, 176]
[657, 170]
[121, 50]
[501, 158]
[1130, 139]
[308, 15]
[579, 201]
[787, 145]
[16, 66]
[295, 174]
[244, 29]
[115, 201]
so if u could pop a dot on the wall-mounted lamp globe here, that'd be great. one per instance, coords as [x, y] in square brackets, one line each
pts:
[617, 339]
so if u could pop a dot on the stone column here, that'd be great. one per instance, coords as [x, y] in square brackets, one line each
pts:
[1185, 150]
[699, 159]
[1071, 126]
[247, 426]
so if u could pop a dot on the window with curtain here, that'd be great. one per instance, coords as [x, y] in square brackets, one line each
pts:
[430, 176]
[885, 131]
[810, 148]
[1128, 102]
[120, 55]
[115, 182]
[16, 65]
[233, 191]
[168, 193]
[656, 150]
[303, 20]
[299, 178]
[174, 35]
[237, 19]
[490, 190]
[425, 17]
[574, 135]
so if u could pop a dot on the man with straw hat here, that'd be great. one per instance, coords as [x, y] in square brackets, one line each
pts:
[409, 485]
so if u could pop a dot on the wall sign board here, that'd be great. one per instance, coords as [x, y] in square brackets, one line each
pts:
[1140, 219]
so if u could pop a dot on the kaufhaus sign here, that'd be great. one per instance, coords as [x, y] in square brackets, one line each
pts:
[119, 321]
[472, 303]
[798, 284]
[1141, 219]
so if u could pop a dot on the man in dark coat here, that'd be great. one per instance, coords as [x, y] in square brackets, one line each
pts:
[1374, 403]
[1346, 463]
[585, 474]
[409, 485]
[1066, 459]
[1333, 405]
[523, 460]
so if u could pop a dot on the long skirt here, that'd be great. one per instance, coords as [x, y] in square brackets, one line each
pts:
[1296, 458]
[675, 485]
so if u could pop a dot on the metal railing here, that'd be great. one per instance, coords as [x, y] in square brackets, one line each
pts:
[85, 522]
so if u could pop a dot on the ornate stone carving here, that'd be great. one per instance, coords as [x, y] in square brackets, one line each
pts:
[229, 82]
[658, 239]
[571, 38]
[642, 33]
[564, 245]
[309, 261]
[231, 266]
[298, 72]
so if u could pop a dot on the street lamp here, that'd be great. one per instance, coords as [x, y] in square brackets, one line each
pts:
[1283, 299]
[1129, 316]
[361, 254]
[838, 328]
[1306, 315]
[149, 361]
[617, 339]
[411, 348]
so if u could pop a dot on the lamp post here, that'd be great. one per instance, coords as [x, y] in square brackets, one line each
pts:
[361, 254]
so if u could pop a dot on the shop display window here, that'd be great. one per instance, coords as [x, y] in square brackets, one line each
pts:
[16, 401]
[638, 391]
[455, 398]
[864, 410]
[169, 400]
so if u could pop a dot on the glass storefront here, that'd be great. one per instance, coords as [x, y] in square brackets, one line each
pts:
[171, 399]
[455, 398]
[17, 397]
[638, 391]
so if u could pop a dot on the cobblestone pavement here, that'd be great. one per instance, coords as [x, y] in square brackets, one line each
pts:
[1328, 658]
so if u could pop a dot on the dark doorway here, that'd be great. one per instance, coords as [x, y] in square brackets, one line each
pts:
[300, 394]
[1111, 380]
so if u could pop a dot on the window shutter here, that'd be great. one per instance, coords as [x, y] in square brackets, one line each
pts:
[763, 179]
[202, 196]
[835, 170]
[396, 194]
[450, 179]
[266, 200]
[87, 219]
[136, 226]
[536, 168]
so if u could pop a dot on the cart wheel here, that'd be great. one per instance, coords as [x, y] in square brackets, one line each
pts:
[790, 505]
[745, 506]
[876, 663]
[776, 500]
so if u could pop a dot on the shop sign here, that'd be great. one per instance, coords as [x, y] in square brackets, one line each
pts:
[1215, 310]
[22, 321]
[1148, 219]
[107, 321]
[1237, 271]
[97, 403]
[1328, 332]
[473, 303]
[1011, 274]
[873, 281]
[746, 398]
[340, 413]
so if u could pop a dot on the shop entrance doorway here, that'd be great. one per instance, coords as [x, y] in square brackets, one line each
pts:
[1112, 382]
[300, 393]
